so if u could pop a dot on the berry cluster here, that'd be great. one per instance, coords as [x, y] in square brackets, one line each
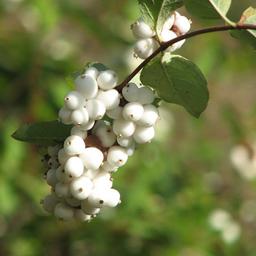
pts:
[148, 40]
[80, 170]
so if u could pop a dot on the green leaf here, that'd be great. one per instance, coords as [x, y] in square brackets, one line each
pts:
[209, 9]
[155, 12]
[247, 36]
[44, 133]
[178, 80]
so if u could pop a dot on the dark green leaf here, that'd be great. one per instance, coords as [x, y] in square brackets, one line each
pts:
[209, 9]
[44, 133]
[247, 36]
[178, 80]
[155, 12]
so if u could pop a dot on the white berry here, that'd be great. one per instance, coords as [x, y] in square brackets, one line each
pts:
[93, 72]
[144, 134]
[74, 167]
[183, 24]
[74, 145]
[79, 116]
[88, 208]
[107, 80]
[81, 216]
[112, 198]
[78, 131]
[51, 178]
[49, 202]
[81, 188]
[123, 128]
[117, 156]
[145, 47]
[96, 109]
[92, 158]
[141, 29]
[73, 100]
[87, 86]
[133, 111]
[146, 95]
[62, 189]
[115, 113]
[149, 117]
[64, 115]
[110, 98]
[130, 92]
[63, 211]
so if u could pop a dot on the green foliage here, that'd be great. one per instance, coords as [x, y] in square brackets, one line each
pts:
[210, 9]
[155, 12]
[44, 133]
[178, 80]
[249, 36]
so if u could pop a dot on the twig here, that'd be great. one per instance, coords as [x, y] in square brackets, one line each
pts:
[165, 45]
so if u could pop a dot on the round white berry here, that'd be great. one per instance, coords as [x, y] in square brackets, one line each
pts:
[146, 95]
[130, 150]
[96, 109]
[73, 100]
[88, 208]
[167, 35]
[81, 188]
[107, 167]
[168, 24]
[74, 167]
[133, 111]
[141, 29]
[125, 142]
[79, 116]
[87, 86]
[74, 145]
[88, 126]
[76, 130]
[110, 98]
[49, 202]
[144, 134]
[115, 113]
[53, 163]
[107, 80]
[81, 216]
[91, 174]
[61, 176]
[53, 150]
[123, 128]
[93, 72]
[62, 156]
[112, 198]
[62, 189]
[149, 117]
[105, 135]
[63, 211]
[117, 156]
[145, 47]
[183, 24]
[92, 158]
[51, 178]
[73, 202]
[97, 198]
[102, 180]
[130, 92]
[64, 115]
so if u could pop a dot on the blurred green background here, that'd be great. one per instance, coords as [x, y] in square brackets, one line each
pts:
[170, 187]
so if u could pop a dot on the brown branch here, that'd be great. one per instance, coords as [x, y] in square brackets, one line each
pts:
[165, 45]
